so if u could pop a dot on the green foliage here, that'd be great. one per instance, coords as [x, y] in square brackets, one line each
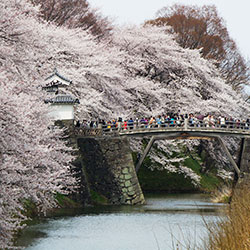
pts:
[134, 156]
[226, 199]
[66, 202]
[98, 198]
[30, 208]
[163, 180]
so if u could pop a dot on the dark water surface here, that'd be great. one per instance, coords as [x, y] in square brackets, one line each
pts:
[163, 223]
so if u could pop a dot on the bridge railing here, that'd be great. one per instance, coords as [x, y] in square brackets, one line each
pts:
[83, 131]
[166, 125]
[185, 124]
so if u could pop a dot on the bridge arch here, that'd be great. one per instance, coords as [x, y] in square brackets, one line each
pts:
[181, 136]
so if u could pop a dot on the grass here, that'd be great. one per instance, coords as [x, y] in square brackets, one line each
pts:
[233, 232]
[222, 195]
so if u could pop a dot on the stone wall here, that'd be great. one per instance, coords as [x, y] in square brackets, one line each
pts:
[109, 169]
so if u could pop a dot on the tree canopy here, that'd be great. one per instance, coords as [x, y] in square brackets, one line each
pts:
[74, 14]
[202, 28]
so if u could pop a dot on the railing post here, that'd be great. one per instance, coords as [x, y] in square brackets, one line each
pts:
[185, 123]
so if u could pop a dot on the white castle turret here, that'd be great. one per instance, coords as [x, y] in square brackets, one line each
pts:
[61, 102]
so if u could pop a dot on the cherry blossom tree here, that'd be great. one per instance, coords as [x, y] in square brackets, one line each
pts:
[34, 160]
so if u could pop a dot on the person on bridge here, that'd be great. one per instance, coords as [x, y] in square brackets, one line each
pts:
[206, 121]
[146, 121]
[247, 123]
[222, 121]
[78, 124]
[158, 121]
[131, 123]
[125, 125]
[99, 124]
[151, 122]
[172, 122]
[162, 121]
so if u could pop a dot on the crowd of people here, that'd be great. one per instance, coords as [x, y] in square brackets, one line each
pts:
[168, 120]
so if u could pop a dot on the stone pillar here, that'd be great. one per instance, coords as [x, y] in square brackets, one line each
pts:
[245, 157]
[110, 169]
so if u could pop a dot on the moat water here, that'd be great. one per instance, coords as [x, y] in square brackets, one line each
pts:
[170, 221]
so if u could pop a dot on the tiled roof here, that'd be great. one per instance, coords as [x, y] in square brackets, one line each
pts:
[60, 76]
[51, 87]
[62, 99]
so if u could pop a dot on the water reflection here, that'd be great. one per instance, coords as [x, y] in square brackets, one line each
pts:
[164, 222]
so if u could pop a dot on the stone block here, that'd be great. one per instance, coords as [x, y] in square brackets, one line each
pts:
[132, 193]
[125, 171]
[128, 176]
[132, 169]
[134, 180]
[122, 177]
[142, 197]
[138, 200]
[129, 202]
[127, 183]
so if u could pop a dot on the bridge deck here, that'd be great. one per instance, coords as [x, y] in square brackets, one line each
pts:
[184, 131]
[189, 131]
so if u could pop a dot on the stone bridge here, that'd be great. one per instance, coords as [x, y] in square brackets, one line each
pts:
[107, 157]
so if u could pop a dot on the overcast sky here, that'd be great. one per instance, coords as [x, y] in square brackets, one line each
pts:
[236, 13]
